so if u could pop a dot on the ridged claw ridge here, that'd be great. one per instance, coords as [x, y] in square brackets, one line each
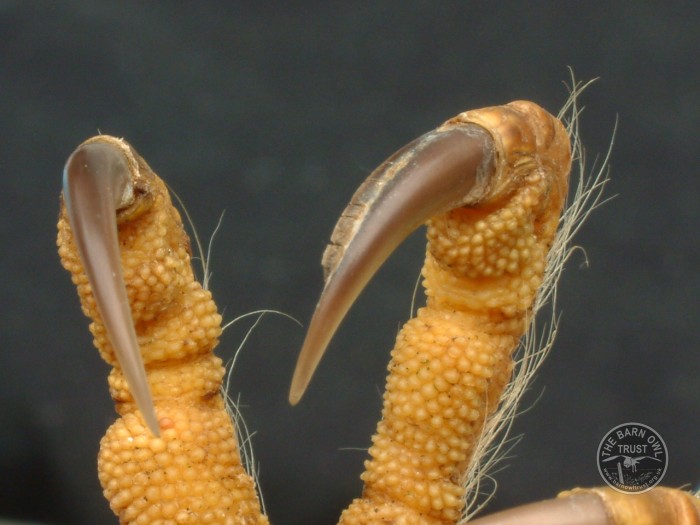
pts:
[447, 167]
[473, 158]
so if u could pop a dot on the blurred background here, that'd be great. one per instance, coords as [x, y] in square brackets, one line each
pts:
[275, 115]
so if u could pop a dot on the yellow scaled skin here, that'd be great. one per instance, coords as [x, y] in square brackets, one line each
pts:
[484, 266]
[451, 363]
[192, 474]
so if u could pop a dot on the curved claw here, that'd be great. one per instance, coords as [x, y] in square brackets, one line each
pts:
[576, 509]
[604, 506]
[444, 168]
[96, 183]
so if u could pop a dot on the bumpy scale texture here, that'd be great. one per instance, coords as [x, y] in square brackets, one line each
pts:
[451, 363]
[192, 474]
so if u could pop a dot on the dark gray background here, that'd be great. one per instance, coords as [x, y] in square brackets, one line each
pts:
[275, 114]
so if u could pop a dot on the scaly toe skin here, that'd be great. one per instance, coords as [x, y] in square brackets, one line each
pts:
[192, 473]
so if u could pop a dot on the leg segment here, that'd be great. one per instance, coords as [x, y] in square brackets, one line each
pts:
[192, 472]
[488, 243]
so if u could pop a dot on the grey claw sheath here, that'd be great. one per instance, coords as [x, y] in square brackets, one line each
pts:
[442, 169]
[96, 183]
